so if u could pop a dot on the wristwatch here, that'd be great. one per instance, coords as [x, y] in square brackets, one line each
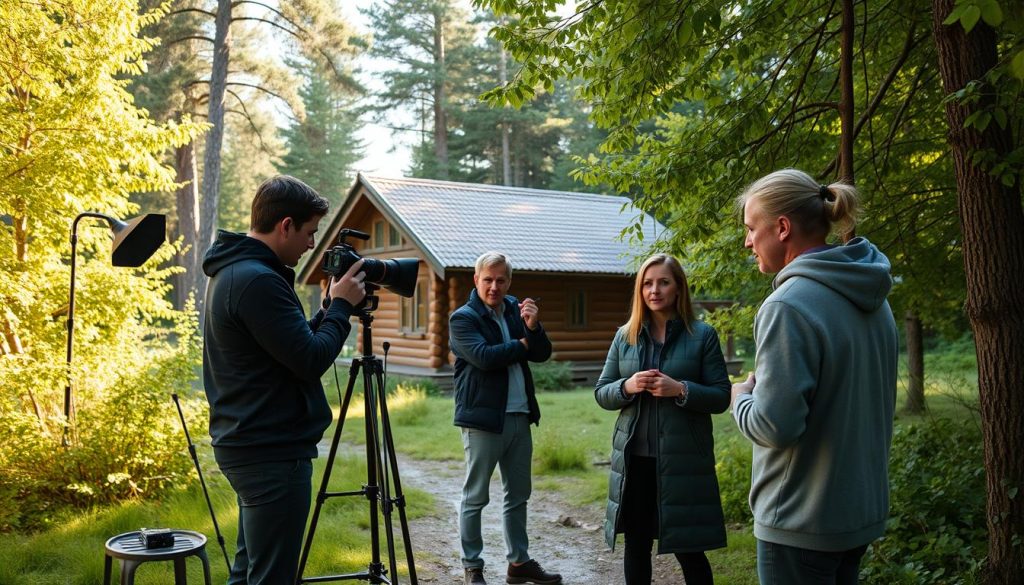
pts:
[682, 398]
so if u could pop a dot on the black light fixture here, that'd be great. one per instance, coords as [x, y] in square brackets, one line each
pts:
[134, 242]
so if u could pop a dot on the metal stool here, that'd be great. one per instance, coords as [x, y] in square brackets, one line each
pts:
[127, 548]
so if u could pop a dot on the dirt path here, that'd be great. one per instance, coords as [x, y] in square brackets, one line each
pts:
[563, 538]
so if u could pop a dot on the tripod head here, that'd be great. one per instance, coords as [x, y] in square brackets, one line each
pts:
[364, 311]
[369, 303]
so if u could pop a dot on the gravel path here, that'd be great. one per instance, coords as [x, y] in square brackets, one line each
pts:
[563, 538]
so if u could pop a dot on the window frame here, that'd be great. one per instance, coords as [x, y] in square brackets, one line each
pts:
[414, 313]
[578, 305]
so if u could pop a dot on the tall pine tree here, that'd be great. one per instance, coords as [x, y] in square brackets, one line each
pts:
[322, 145]
[430, 44]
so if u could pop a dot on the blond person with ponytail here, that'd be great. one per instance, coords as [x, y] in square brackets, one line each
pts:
[819, 405]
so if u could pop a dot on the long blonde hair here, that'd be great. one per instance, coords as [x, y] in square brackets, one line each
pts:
[815, 209]
[639, 313]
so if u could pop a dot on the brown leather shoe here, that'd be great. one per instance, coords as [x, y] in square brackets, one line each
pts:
[475, 577]
[531, 572]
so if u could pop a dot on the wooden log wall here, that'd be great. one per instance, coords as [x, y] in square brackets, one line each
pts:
[437, 317]
[607, 309]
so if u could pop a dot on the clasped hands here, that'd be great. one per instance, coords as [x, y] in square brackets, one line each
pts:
[655, 382]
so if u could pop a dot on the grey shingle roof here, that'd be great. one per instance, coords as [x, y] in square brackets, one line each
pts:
[548, 231]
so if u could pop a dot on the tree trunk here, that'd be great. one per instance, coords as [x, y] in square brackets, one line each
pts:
[846, 100]
[992, 222]
[915, 364]
[440, 117]
[506, 161]
[846, 104]
[215, 136]
[187, 204]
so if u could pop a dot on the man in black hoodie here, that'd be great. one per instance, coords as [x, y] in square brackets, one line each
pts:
[262, 362]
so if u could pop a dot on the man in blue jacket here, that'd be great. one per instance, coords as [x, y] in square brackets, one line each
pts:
[262, 362]
[494, 336]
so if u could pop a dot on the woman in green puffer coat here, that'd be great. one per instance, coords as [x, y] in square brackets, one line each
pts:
[666, 375]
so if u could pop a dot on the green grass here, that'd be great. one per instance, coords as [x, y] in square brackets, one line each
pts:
[572, 446]
[73, 553]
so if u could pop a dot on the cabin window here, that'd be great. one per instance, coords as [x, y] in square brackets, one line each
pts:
[378, 233]
[578, 309]
[414, 310]
[394, 239]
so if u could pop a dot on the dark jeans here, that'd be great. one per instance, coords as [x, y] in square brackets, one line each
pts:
[273, 503]
[640, 527]
[778, 564]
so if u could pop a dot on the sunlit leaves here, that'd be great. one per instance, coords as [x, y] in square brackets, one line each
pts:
[969, 12]
[71, 140]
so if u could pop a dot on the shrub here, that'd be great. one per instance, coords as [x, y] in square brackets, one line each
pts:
[936, 531]
[733, 469]
[127, 443]
[957, 356]
[552, 376]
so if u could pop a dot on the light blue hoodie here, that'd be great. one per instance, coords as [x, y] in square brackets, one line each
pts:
[821, 412]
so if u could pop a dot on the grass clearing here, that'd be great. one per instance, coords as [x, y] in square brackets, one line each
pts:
[572, 446]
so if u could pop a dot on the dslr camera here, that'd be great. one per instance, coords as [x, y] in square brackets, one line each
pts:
[397, 275]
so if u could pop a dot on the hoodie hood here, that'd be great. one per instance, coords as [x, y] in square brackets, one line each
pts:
[856, 270]
[231, 247]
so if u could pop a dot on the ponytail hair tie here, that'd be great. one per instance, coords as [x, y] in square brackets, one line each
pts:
[824, 192]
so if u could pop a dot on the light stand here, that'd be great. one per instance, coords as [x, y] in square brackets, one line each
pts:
[134, 242]
[381, 465]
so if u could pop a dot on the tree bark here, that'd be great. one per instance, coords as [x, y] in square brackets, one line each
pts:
[187, 205]
[215, 136]
[992, 222]
[506, 161]
[846, 99]
[915, 364]
[440, 117]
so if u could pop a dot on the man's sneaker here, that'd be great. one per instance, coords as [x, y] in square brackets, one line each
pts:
[531, 572]
[475, 577]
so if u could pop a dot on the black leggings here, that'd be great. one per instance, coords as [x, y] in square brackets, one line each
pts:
[639, 523]
[637, 564]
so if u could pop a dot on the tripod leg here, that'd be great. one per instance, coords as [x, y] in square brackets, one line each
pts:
[389, 448]
[385, 453]
[202, 482]
[321, 495]
[373, 467]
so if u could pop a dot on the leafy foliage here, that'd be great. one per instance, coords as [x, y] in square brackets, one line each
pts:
[71, 141]
[552, 375]
[936, 531]
[734, 457]
[701, 98]
[322, 147]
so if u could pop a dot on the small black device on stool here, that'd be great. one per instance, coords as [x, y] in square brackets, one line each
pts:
[156, 537]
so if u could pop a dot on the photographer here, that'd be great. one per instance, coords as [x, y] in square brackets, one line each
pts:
[262, 362]
[494, 337]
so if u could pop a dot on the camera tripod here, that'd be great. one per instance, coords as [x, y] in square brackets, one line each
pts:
[381, 466]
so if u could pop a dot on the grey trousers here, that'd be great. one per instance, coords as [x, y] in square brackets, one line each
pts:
[511, 451]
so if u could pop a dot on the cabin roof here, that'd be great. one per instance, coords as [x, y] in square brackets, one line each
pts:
[539, 230]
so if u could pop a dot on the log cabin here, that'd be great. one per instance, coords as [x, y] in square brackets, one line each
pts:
[564, 247]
